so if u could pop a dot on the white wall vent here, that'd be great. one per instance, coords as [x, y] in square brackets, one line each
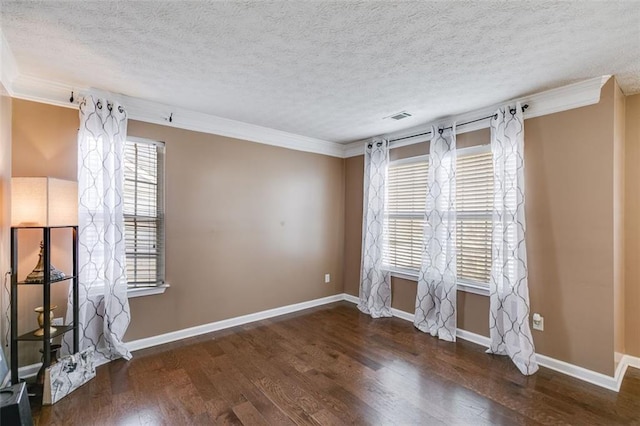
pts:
[400, 115]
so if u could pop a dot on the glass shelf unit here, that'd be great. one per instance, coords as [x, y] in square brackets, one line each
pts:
[46, 297]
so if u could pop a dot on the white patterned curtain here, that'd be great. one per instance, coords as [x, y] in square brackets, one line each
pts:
[509, 290]
[436, 297]
[375, 282]
[104, 306]
[5, 328]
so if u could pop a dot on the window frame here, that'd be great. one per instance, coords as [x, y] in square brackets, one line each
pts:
[412, 275]
[161, 284]
[399, 271]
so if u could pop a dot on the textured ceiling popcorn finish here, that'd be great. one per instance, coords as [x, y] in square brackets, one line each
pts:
[327, 70]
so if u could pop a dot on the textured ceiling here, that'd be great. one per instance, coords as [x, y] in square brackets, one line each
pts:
[329, 70]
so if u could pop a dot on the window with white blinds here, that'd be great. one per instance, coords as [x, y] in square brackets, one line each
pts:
[406, 199]
[474, 204]
[144, 212]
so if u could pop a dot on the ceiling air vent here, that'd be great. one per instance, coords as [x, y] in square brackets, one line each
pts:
[400, 115]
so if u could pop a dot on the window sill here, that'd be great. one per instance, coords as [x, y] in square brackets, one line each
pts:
[462, 285]
[97, 293]
[146, 291]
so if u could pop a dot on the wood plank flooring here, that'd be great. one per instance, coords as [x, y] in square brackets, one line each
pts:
[333, 365]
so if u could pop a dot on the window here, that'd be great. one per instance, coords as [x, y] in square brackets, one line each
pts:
[474, 204]
[406, 199]
[144, 212]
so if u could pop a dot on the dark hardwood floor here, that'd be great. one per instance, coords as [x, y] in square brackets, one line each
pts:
[333, 365]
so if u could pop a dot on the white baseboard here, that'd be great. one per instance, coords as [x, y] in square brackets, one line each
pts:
[631, 361]
[478, 339]
[396, 312]
[350, 298]
[402, 315]
[29, 371]
[581, 373]
[563, 367]
[599, 379]
[625, 362]
[136, 345]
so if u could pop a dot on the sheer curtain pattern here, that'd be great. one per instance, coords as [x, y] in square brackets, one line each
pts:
[104, 305]
[375, 282]
[5, 327]
[436, 295]
[509, 291]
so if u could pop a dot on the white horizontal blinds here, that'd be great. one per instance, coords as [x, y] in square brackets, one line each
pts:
[406, 198]
[474, 203]
[144, 213]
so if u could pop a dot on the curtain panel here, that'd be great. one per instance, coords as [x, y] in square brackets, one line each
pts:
[375, 282]
[436, 295]
[104, 305]
[509, 290]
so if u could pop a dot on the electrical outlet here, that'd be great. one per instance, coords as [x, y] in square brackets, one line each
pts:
[57, 321]
[327, 278]
[538, 322]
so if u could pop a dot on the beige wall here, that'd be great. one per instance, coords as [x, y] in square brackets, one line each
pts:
[249, 227]
[570, 228]
[618, 222]
[354, 175]
[632, 226]
[5, 206]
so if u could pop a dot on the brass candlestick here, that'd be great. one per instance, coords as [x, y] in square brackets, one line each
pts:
[40, 311]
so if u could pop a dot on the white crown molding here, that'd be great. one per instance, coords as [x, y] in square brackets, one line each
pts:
[54, 93]
[45, 91]
[353, 149]
[576, 95]
[8, 65]
[581, 373]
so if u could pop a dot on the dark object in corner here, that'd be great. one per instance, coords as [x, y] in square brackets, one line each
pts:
[14, 406]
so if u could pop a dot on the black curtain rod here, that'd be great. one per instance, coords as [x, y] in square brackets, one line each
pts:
[512, 110]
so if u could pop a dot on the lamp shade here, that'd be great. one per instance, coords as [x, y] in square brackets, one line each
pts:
[43, 201]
